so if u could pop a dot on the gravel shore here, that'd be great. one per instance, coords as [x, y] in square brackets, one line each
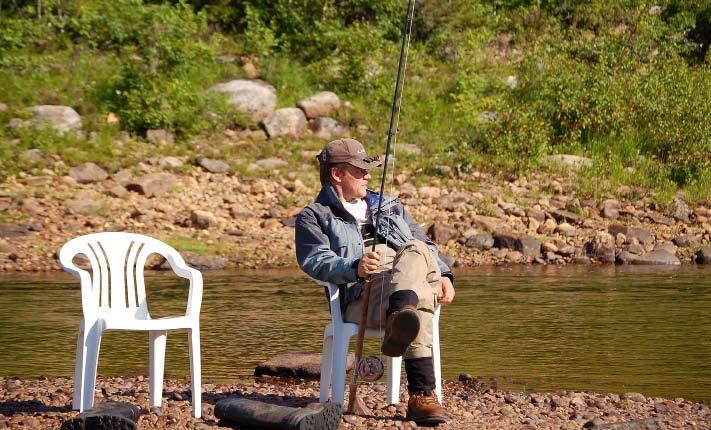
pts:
[44, 403]
[221, 221]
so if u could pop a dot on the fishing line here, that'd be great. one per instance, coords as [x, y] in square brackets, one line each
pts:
[373, 365]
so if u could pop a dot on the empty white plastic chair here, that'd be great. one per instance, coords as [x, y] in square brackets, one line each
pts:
[114, 298]
[336, 338]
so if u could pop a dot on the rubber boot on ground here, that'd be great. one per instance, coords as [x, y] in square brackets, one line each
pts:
[251, 413]
[105, 416]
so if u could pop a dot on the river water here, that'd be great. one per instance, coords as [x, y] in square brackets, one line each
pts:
[607, 329]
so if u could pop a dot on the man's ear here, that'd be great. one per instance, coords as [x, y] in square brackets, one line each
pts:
[336, 175]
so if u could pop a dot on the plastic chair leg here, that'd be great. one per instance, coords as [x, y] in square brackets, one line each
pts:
[78, 372]
[436, 360]
[338, 374]
[156, 352]
[394, 365]
[326, 368]
[195, 369]
[92, 344]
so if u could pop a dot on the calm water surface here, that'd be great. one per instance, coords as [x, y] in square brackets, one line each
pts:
[605, 329]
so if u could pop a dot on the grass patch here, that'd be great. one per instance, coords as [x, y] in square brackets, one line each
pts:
[196, 246]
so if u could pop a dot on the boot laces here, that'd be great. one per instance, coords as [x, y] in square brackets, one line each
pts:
[427, 398]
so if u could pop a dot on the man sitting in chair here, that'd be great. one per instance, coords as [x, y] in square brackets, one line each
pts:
[334, 237]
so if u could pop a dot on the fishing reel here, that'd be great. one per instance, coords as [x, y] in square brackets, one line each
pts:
[370, 368]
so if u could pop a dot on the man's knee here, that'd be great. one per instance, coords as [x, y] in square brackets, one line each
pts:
[401, 298]
[416, 245]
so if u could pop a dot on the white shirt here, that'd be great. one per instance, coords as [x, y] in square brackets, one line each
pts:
[359, 209]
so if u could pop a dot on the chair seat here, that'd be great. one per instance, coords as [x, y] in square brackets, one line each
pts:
[167, 323]
[352, 329]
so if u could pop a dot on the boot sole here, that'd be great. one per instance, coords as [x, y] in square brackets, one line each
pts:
[429, 421]
[405, 327]
[327, 418]
[99, 422]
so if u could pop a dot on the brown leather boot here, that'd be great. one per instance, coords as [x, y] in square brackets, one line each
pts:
[401, 328]
[424, 409]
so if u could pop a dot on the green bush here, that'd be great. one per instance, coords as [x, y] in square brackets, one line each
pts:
[168, 58]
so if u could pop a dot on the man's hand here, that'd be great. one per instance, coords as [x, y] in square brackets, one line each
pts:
[368, 264]
[446, 292]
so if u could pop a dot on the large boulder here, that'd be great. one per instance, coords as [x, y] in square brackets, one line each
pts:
[686, 240]
[680, 210]
[452, 202]
[13, 230]
[482, 241]
[153, 184]
[523, 243]
[442, 233]
[486, 222]
[268, 164]
[202, 219]
[601, 247]
[214, 166]
[642, 234]
[87, 173]
[610, 209]
[562, 215]
[703, 256]
[285, 122]
[170, 162]
[32, 155]
[321, 104]
[255, 99]
[60, 118]
[159, 136]
[328, 128]
[85, 203]
[658, 257]
[296, 365]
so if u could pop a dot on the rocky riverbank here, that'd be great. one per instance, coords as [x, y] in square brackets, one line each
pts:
[45, 403]
[222, 219]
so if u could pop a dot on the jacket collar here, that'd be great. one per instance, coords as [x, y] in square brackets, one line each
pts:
[328, 197]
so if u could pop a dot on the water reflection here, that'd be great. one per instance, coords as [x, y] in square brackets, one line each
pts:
[604, 329]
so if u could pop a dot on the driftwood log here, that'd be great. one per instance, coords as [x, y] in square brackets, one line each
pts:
[254, 414]
[105, 416]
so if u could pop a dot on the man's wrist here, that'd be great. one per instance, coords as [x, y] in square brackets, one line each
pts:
[355, 266]
[450, 276]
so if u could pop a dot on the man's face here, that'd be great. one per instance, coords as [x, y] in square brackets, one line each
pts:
[352, 181]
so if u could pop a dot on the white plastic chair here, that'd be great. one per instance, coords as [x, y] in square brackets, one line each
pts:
[336, 337]
[114, 298]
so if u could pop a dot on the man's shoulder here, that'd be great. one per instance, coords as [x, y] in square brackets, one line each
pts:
[314, 209]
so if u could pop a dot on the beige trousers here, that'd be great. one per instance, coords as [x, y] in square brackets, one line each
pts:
[414, 268]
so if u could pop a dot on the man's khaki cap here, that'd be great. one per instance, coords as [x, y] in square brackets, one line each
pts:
[348, 151]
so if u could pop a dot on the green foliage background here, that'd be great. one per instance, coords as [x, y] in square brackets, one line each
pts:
[491, 84]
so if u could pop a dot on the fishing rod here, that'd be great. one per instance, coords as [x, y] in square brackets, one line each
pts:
[368, 365]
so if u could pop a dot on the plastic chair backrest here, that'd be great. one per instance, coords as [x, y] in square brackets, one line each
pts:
[334, 302]
[116, 284]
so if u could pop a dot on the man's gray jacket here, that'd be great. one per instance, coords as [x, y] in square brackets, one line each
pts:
[329, 244]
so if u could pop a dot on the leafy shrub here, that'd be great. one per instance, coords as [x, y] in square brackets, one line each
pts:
[162, 81]
[628, 81]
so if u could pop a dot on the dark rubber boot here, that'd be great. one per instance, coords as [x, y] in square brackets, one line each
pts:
[105, 416]
[251, 413]
[401, 328]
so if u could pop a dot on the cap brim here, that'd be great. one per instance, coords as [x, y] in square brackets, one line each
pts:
[367, 165]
